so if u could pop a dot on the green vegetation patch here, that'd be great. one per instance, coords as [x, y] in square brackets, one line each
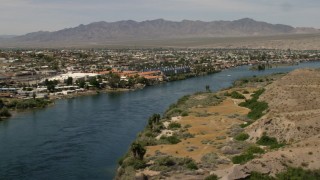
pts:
[28, 103]
[242, 137]
[4, 112]
[257, 107]
[174, 125]
[291, 173]
[211, 177]
[269, 141]
[243, 158]
[170, 163]
[247, 155]
[133, 162]
[169, 139]
[236, 95]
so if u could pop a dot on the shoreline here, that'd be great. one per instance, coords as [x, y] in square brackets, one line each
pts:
[95, 92]
[202, 128]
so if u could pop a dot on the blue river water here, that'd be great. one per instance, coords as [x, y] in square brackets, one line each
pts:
[82, 138]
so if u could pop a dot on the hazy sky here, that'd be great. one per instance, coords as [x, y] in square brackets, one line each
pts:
[23, 16]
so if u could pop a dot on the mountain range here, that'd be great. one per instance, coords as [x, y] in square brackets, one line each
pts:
[120, 31]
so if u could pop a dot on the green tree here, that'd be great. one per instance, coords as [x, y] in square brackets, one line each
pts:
[122, 84]
[1, 103]
[154, 119]
[131, 82]
[81, 83]
[93, 81]
[50, 84]
[51, 87]
[114, 80]
[4, 112]
[138, 150]
[69, 81]
[142, 80]
[34, 95]
[208, 88]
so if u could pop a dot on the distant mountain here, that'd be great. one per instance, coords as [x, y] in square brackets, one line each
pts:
[102, 32]
[7, 36]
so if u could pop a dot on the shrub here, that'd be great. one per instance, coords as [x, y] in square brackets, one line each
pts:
[299, 173]
[259, 176]
[291, 173]
[210, 158]
[254, 150]
[247, 124]
[211, 177]
[236, 95]
[242, 137]
[121, 159]
[269, 141]
[243, 158]
[192, 165]
[174, 125]
[258, 93]
[187, 163]
[133, 162]
[31, 103]
[171, 139]
[169, 163]
[165, 161]
[4, 112]
[257, 107]
[245, 92]
[173, 112]
[12, 104]
[186, 135]
[247, 156]
[183, 99]
[184, 113]
[149, 134]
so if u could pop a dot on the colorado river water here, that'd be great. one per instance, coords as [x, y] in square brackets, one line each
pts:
[83, 138]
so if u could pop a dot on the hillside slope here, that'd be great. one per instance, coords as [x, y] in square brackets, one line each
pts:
[293, 118]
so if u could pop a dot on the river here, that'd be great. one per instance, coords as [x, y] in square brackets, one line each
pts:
[83, 138]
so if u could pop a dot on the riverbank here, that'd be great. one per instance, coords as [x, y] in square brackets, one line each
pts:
[192, 131]
[54, 96]
[210, 135]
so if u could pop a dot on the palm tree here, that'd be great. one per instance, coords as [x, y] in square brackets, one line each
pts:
[154, 119]
[138, 150]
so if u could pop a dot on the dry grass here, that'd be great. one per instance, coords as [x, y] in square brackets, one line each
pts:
[210, 132]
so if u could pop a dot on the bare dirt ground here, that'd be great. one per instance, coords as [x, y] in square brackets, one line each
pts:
[210, 132]
[291, 41]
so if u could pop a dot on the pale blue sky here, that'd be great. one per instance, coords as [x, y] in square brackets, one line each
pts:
[23, 16]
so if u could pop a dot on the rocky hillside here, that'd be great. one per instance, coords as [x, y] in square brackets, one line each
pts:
[294, 107]
[293, 118]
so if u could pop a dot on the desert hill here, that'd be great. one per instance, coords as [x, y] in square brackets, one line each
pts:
[294, 119]
[141, 33]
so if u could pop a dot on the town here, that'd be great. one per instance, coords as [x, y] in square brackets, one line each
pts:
[50, 73]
